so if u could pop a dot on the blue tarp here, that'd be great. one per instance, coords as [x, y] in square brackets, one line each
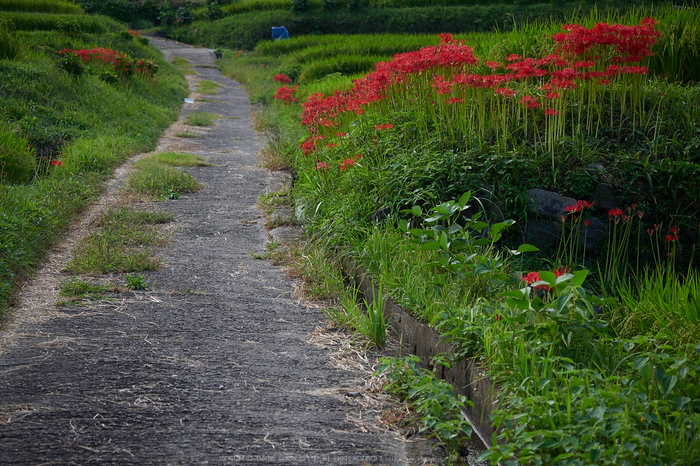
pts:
[280, 33]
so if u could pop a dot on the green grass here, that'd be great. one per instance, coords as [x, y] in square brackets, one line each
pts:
[208, 87]
[201, 119]
[183, 65]
[187, 134]
[177, 159]
[572, 387]
[89, 125]
[152, 177]
[124, 242]
[40, 6]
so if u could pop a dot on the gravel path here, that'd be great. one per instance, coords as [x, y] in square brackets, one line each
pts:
[212, 365]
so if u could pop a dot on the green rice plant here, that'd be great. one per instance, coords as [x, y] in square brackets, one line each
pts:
[154, 178]
[56, 22]
[208, 87]
[183, 65]
[178, 159]
[41, 6]
[201, 119]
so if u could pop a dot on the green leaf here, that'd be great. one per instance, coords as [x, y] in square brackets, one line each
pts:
[527, 248]
[548, 277]
[404, 225]
[429, 246]
[443, 242]
[497, 228]
[416, 211]
[464, 198]
[668, 384]
[579, 277]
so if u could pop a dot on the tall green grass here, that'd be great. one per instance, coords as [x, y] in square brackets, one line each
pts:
[41, 6]
[56, 22]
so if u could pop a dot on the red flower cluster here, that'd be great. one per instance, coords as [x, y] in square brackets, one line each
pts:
[534, 277]
[673, 236]
[347, 163]
[280, 78]
[630, 43]
[122, 64]
[580, 206]
[384, 126]
[56, 163]
[286, 94]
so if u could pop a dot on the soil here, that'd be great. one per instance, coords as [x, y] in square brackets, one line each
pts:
[218, 362]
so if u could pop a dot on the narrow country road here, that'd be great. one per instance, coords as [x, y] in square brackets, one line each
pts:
[212, 365]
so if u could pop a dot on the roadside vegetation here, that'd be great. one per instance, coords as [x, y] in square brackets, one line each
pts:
[79, 94]
[419, 170]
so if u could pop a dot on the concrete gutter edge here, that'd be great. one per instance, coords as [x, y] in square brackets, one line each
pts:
[468, 377]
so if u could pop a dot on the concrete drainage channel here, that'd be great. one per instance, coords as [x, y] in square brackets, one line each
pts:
[467, 377]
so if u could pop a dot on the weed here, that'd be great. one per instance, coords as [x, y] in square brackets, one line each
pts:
[154, 178]
[201, 119]
[183, 65]
[123, 243]
[136, 282]
[187, 134]
[178, 159]
[208, 87]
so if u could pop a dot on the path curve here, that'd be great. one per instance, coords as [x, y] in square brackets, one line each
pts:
[221, 375]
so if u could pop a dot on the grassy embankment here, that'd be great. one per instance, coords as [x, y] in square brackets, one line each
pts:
[584, 379]
[65, 123]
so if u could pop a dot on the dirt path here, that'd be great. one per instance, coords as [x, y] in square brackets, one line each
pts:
[211, 366]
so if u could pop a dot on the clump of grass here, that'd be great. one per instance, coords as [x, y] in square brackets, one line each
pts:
[123, 243]
[183, 65]
[187, 134]
[201, 119]
[181, 160]
[155, 178]
[208, 87]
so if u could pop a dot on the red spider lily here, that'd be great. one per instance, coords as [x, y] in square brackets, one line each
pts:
[587, 223]
[498, 317]
[286, 94]
[534, 277]
[384, 126]
[331, 145]
[347, 163]
[580, 206]
[552, 95]
[551, 112]
[281, 78]
[441, 85]
[650, 231]
[615, 213]
[56, 163]
[340, 135]
[455, 100]
[309, 145]
[493, 65]
[505, 92]
[321, 166]
[631, 43]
